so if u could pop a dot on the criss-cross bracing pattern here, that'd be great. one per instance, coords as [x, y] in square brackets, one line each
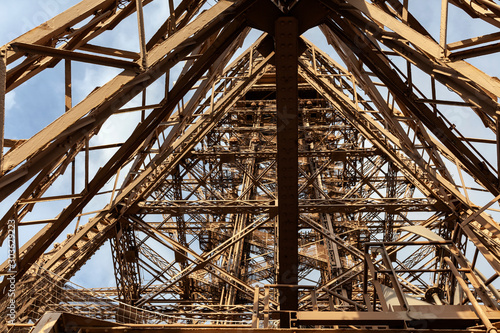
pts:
[274, 183]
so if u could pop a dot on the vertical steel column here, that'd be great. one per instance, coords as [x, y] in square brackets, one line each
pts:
[287, 122]
[444, 25]
[142, 33]
[181, 256]
[68, 104]
[67, 85]
[125, 261]
[391, 193]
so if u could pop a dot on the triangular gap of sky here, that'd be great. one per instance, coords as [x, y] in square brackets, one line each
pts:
[36, 103]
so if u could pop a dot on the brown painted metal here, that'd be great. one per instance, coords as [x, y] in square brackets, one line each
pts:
[52, 52]
[286, 36]
[282, 169]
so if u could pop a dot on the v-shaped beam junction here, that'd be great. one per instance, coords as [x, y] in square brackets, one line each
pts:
[347, 165]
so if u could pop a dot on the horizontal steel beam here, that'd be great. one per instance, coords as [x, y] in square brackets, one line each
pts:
[268, 206]
[450, 316]
[335, 154]
[72, 55]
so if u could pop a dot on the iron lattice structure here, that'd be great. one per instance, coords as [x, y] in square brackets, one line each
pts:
[280, 185]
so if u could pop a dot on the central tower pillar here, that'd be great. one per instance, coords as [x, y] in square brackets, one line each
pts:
[286, 30]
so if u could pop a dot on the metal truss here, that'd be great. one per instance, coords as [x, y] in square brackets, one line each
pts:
[281, 185]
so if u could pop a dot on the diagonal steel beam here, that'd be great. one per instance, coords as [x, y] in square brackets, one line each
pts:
[426, 44]
[198, 261]
[107, 216]
[58, 25]
[122, 88]
[47, 235]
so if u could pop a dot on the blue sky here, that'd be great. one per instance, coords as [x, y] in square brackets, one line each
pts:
[38, 102]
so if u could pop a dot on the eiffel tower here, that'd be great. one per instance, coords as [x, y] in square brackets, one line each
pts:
[274, 184]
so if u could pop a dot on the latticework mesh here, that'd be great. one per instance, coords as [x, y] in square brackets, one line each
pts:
[45, 291]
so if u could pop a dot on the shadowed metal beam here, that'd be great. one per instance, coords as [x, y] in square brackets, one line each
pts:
[287, 122]
[77, 56]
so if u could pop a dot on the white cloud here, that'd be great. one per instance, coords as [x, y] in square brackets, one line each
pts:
[10, 100]
[86, 78]
[20, 16]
